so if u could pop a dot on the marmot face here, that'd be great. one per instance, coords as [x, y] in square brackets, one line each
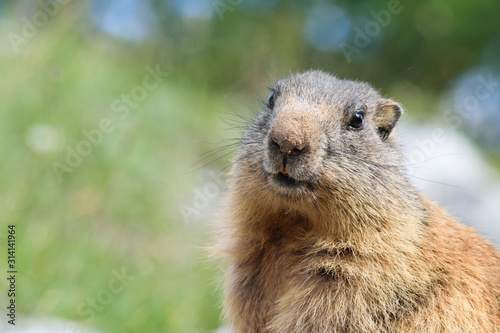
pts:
[319, 133]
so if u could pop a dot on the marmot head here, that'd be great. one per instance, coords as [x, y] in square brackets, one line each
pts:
[319, 136]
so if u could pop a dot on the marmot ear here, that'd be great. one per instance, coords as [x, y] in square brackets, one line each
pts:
[387, 115]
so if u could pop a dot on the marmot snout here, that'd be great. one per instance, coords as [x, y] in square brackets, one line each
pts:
[325, 233]
[294, 140]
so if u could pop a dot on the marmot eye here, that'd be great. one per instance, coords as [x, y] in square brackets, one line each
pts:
[357, 121]
[271, 100]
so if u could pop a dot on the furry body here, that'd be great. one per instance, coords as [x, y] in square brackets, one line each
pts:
[333, 237]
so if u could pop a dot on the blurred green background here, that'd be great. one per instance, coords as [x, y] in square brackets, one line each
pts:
[106, 167]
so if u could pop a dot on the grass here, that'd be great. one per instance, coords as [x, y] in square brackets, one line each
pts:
[118, 209]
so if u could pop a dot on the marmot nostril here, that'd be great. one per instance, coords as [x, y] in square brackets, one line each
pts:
[288, 149]
[288, 143]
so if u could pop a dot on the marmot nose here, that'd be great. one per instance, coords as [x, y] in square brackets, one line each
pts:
[288, 143]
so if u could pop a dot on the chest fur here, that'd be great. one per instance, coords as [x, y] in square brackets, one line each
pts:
[323, 291]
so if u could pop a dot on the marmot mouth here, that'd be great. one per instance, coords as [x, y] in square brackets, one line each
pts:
[286, 180]
[283, 180]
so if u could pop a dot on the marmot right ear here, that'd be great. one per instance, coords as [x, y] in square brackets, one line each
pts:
[385, 118]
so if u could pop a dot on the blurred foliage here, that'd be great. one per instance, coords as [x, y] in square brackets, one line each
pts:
[119, 208]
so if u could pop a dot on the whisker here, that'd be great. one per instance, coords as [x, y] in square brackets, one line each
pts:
[433, 158]
[445, 184]
[221, 141]
[239, 159]
[398, 170]
[210, 162]
[214, 151]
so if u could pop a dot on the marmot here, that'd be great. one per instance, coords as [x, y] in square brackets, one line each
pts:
[324, 232]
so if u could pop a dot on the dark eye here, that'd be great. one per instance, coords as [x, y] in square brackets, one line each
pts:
[357, 121]
[271, 100]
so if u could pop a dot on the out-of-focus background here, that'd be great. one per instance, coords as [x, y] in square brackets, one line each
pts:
[115, 116]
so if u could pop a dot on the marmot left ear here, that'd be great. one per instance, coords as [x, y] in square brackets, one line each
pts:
[387, 115]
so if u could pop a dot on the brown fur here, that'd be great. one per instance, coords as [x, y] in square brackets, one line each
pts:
[353, 247]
